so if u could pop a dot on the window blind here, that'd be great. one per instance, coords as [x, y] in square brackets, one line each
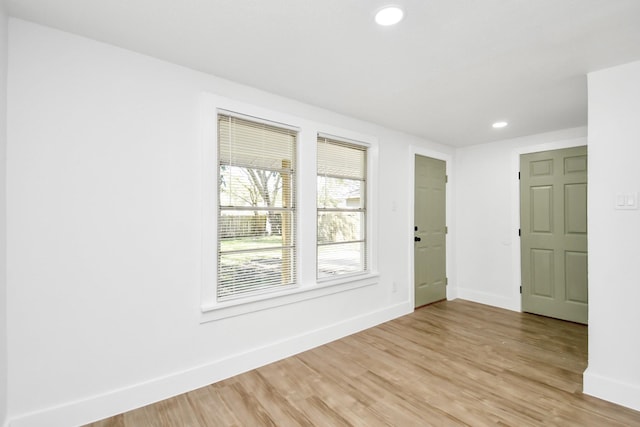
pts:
[257, 212]
[341, 208]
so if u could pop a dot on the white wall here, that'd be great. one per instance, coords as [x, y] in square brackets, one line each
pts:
[487, 215]
[614, 236]
[103, 235]
[3, 208]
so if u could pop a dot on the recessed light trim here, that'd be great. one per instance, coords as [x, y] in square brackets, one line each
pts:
[389, 15]
[499, 125]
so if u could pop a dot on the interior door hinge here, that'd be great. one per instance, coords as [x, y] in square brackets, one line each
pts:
[520, 289]
[446, 230]
[446, 281]
[446, 179]
[519, 232]
[518, 175]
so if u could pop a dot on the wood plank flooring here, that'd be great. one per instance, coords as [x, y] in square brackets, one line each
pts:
[448, 364]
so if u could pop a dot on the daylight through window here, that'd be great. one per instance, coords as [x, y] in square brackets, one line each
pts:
[341, 203]
[256, 213]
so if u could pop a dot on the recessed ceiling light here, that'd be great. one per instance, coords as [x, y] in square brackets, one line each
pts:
[389, 15]
[498, 125]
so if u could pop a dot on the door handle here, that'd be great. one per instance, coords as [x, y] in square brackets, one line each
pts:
[416, 239]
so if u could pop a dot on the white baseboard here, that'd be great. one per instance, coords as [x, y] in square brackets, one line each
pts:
[117, 401]
[612, 390]
[489, 299]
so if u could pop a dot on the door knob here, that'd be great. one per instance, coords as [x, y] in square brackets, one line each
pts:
[416, 239]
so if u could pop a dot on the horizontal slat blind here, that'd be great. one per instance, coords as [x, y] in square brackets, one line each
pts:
[256, 215]
[341, 205]
[341, 159]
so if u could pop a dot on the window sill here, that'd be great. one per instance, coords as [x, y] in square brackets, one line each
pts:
[215, 311]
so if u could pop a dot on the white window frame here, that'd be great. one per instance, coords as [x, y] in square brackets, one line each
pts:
[365, 147]
[241, 291]
[307, 286]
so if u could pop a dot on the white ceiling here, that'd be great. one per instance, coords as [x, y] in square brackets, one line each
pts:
[446, 72]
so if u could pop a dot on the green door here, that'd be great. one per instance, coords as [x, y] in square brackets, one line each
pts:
[430, 273]
[553, 221]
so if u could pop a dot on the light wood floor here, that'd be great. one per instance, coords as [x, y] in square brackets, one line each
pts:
[451, 363]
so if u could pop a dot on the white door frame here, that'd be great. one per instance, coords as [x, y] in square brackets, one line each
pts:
[448, 159]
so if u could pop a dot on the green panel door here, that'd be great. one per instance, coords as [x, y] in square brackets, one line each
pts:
[430, 273]
[553, 221]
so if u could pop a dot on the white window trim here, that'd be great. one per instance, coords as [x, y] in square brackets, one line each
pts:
[368, 193]
[276, 299]
[307, 286]
[257, 287]
[372, 201]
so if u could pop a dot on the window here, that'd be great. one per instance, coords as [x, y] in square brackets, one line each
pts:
[341, 205]
[256, 212]
[258, 170]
